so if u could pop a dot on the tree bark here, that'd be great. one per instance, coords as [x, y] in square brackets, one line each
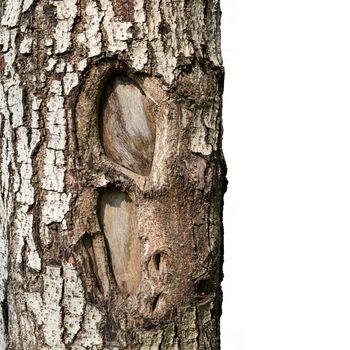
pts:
[112, 174]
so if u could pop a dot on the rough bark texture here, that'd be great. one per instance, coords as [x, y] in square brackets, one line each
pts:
[111, 174]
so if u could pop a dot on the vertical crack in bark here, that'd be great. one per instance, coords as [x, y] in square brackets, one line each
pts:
[87, 241]
[5, 315]
[63, 311]
[198, 321]
[96, 252]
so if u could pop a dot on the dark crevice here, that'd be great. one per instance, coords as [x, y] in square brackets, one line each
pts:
[61, 303]
[157, 260]
[155, 302]
[5, 313]
[204, 287]
[87, 242]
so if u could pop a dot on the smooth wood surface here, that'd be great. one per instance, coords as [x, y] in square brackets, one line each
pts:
[126, 130]
[118, 220]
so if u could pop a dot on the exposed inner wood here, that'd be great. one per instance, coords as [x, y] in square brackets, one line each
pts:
[126, 129]
[117, 215]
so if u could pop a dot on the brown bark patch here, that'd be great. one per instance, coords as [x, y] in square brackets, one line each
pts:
[124, 9]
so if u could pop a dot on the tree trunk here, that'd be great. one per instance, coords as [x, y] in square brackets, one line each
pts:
[112, 174]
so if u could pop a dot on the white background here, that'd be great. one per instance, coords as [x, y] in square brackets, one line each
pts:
[287, 146]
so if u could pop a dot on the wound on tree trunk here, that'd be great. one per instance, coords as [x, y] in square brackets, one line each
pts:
[127, 131]
[117, 215]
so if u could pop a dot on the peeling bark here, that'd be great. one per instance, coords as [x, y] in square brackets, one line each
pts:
[111, 193]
